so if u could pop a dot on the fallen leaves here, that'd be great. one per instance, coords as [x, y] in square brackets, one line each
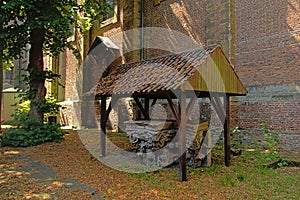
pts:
[71, 160]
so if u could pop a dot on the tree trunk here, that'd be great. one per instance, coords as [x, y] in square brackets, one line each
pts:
[1, 69]
[1, 86]
[37, 89]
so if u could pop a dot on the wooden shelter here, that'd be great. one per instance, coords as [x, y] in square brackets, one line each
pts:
[204, 72]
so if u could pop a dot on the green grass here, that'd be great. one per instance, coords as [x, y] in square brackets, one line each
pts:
[246, 178]
[267, 181]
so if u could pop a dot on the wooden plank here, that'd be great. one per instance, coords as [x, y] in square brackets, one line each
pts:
[182, 138]
[139, 104]
[103, 126]
[227, 130]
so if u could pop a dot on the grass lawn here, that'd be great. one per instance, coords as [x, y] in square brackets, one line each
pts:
[246, 178]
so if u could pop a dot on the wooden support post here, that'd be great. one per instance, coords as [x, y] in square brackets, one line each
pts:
[182, 138]
[227, 130]
[103, 120]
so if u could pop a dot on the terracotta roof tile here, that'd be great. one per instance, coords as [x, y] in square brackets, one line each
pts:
[162, 73]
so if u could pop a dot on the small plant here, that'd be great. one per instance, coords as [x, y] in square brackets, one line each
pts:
[240, 177]
[283, 162]
[236, 142]
[271, 139]
[270, 143]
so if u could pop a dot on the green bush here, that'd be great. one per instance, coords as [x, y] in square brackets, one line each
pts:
[30, 132]
[31, 135]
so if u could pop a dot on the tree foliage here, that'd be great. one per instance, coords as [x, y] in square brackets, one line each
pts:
[56, 19]
[42, 27]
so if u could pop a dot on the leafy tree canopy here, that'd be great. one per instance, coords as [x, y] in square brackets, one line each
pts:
[42, 26]
[56, 17]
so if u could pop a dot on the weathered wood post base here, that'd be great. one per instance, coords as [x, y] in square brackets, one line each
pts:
[182, 138]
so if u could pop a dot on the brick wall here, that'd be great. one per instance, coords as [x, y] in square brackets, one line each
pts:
[268, 63]
[185, 16]
[281, 117]
[268, 44]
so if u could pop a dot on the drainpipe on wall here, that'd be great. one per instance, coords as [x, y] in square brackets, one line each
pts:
[142, 56]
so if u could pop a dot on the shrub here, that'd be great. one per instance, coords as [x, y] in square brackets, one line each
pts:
[32, 134]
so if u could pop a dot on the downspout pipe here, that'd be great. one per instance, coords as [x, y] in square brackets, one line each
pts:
[142, 55]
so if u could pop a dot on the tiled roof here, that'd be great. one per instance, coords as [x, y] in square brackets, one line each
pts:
[172, 71]
[162, 73]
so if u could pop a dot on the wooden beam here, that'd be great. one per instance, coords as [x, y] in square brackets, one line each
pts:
[173, 108]
[182, 138]
[103, 120]
[153, 102]
[220, 105]
[108, 111]
[112, 103]
[142, 109]
[219, 110]
[227, 130]
[191, 106]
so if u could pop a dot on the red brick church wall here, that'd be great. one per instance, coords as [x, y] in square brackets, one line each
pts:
[268, 63]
